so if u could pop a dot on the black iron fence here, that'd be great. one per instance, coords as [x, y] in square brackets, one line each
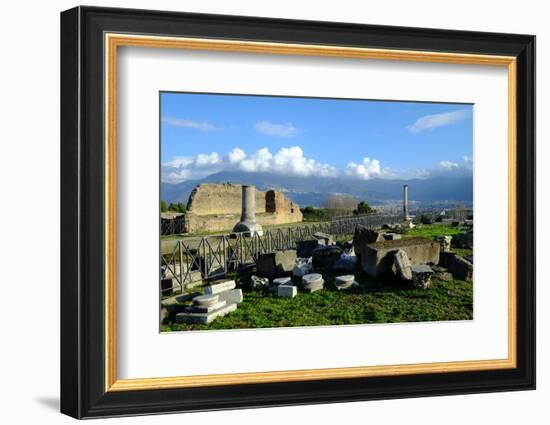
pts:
[192, 259]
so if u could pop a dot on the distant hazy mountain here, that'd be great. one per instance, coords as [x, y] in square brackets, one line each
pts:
[314, 190]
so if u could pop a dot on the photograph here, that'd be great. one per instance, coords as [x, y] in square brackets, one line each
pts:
[279, 211]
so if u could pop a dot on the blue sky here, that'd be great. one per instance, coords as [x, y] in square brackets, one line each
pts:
[202, 134]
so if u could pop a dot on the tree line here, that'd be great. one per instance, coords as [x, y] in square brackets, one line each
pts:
[335, 206]
[178, 207]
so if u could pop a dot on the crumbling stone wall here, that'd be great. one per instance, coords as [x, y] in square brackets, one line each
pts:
[224, 198]
[216, 207]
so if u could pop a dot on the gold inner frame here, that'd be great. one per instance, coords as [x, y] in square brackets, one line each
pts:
[113, 41]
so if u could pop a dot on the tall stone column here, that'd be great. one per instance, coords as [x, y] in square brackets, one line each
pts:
[406, 203]
[248, 223]
[248, 211]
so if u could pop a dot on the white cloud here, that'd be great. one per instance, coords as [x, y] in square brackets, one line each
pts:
[275, 130]
[188, 123]
[367, 169]
[291, 161]
[448, 165]
[184, 168]
[429, 122]
[236, 155]
[208, 160]
[288, 161]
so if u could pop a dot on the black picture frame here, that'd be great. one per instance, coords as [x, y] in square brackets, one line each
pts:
[83, 392]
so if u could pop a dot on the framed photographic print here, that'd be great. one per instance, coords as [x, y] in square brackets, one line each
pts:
[261, 212]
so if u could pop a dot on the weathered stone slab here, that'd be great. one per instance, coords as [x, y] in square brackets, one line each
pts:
[234, 296]
[204, 318]
[325, 237]
[326, 256]
[205, 309]
[220, 287]
[402, 265]
[305, 248]
[282, 281]
[206, 300]
[460, 268]
[287, 291]
[276, 263]
[377, 258]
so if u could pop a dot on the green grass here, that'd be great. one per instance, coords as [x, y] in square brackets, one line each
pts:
[372, 302]
[431, 230]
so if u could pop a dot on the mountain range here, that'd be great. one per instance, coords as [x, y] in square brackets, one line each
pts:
[314, 190]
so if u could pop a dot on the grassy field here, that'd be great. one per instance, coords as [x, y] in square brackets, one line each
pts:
[374, 301]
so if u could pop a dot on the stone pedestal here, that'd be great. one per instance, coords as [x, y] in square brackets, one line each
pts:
[345, 282]
[313, 282]
[219, 300]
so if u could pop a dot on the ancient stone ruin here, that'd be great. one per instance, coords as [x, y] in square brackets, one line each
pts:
[218, 300]
[214, 207]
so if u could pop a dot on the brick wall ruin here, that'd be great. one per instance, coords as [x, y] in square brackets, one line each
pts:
[216, 207]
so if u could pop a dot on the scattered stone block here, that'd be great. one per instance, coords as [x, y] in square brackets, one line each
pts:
[287, 291]
[257, 282]
[206, 309]
[303, 266]
[346, 262]
[206, 300]
[460, 268]
[326, 256]
[276, 263]
[445, 259]
[345, 282]
[325, 237]
[402, 265]
[282, 281]
[220, 287]
[377, 258]
[391, 236]
[444, 242]
[204, 318]
[234, 296]
[313, 282]
[363, 234]
[464, 240]
[421, 276]
[305, 248]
